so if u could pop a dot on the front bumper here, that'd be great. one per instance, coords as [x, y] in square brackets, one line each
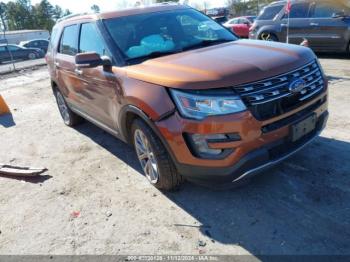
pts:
[256, 151]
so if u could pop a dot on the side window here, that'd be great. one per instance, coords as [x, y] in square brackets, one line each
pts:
[90, 40]
[300, 10]
[12, 48]
[326, 10]
[69, 41]
[269, 13]
[2, 49]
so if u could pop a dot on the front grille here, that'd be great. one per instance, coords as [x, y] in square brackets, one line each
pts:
[272, 97]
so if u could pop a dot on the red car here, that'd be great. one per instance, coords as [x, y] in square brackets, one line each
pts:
[241, 25]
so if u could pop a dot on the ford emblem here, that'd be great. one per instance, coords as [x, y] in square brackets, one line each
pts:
[297, 85]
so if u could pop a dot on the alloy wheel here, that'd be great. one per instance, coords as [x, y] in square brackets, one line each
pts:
[62, 106]
[146, 156]
[267, 37]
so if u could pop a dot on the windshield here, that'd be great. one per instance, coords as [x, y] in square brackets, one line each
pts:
[167, 32]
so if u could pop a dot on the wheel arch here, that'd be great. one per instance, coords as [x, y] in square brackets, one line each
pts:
[128, 114]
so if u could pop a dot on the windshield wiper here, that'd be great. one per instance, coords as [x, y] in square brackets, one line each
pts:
[206, 43]
[151, 55]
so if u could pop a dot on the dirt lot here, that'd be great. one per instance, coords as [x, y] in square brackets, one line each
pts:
[300, 207]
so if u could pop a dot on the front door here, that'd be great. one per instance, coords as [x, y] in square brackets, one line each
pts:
[101, 85]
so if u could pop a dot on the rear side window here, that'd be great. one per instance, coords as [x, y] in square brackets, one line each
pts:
[300, 10]
[90, 40]
[326, 10]
[270, 12]
[69, 41]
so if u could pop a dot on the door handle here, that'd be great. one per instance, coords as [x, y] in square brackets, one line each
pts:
[78, 72]
[314, 24]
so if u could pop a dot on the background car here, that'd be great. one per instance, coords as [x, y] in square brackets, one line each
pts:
[241, 25]
[220, 19]
[324, 23]
[38, 43]
[19, 53]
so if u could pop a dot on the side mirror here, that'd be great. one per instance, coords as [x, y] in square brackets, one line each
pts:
[91, 60]
[339, 14]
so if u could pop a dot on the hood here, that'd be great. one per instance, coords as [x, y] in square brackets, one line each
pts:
[223, 65]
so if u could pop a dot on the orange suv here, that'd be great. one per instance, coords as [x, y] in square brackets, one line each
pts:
[196, 102]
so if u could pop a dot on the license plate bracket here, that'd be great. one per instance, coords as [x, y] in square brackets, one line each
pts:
[304, 127]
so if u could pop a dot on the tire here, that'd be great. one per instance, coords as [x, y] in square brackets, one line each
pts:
[32, 56]
[165, 176]
[68, 116]
[266, 36]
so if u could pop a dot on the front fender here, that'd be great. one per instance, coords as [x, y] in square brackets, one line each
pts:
[152, 99]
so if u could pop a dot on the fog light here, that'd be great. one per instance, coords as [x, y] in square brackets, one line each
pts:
[201, 143]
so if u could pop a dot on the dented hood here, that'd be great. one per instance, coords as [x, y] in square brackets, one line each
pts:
[222, 65]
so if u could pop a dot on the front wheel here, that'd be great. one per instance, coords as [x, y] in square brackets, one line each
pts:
[154, 158]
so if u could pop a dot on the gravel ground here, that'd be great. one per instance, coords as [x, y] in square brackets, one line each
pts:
[94, 200]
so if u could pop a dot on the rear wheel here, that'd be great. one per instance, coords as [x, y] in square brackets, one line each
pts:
[268, 37]
[68, 116]
[154, 158]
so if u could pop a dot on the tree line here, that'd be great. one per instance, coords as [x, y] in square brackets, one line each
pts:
[21, 14]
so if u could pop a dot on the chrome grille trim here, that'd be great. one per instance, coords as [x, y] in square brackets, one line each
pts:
[275, 88]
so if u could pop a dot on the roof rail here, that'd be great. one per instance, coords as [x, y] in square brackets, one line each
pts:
[70, 16]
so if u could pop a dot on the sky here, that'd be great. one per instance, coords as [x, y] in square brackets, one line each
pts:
[80, 6]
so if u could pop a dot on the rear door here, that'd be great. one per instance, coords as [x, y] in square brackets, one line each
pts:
[68, 81]
[101, 86]
[299, 23]
[329, 32]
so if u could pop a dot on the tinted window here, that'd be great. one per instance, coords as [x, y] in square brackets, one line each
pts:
[270, 12]
[2, 49]
[326, 10]
[69, 43]
[169, 31]
[299, 10]
[13, 48]
[90, 40]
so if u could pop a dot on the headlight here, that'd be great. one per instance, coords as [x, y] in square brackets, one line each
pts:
[200, 106]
